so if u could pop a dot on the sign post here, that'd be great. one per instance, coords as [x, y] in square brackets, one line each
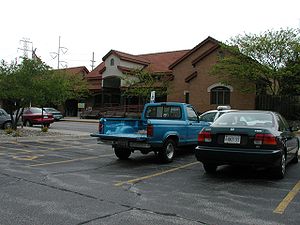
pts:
[152, 96]
[81, 107]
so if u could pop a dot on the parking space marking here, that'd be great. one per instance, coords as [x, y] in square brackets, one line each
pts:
[286, 201]
[68, 161]
[155, 174]
[25, 157]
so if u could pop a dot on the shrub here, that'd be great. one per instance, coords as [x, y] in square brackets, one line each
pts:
[9, 130]
[44, 129]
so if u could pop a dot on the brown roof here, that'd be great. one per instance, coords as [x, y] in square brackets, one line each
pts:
[193, 50]
[76, 70]
[154, 62]
[97, 72]
[160, 62]
[127, 57]
[204, 54]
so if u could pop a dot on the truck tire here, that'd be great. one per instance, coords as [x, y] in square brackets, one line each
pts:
[210, 168]
[166, 154]
[122, 153]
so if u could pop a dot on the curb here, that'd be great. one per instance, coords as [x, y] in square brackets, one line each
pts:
[80, 120]
[58, 134]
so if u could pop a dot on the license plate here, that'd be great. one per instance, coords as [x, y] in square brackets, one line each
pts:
[232, 139]
[122, 143]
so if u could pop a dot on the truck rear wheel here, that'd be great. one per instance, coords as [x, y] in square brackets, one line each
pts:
[210, 167]
[166, 154]
[122, 153]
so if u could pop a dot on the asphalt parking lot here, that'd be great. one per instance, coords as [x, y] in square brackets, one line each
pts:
[74, 180]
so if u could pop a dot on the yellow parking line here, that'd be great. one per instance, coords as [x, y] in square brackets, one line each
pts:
[286, 201]
[155, 175]
[67, 161]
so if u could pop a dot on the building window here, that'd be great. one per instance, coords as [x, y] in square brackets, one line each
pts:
[220, 96]
[112, 62]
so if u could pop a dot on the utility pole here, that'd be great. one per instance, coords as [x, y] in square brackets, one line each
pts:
[57, 54]
[93, 61]
[25, 49]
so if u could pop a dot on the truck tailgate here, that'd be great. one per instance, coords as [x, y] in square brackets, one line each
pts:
[114, 137]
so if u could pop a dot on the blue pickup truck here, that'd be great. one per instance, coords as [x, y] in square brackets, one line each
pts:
[162, 128]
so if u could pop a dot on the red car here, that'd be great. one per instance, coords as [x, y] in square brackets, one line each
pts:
[32, 116]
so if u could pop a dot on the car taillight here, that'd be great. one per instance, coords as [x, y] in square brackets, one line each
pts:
[265, 139]
[149, 130]
[204, 136]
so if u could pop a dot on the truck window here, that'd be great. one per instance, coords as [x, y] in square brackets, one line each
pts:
[165, 112]
[192, 115]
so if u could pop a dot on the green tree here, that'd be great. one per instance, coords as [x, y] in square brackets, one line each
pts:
[35, 83]
[263, 59]
[142, 82]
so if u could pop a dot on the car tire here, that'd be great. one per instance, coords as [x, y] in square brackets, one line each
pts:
[122, 153]
[166, 154]
[210, 167]
[295, 159]
[280, 169]
[27, 123]
[7, 125]
[47, 125]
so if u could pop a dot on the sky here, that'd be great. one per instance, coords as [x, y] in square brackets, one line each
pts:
[131, 26]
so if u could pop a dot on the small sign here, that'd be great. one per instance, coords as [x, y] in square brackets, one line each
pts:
[152, 96]
[81, 105]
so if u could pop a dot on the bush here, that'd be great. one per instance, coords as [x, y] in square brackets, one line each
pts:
[44, 129]
[9, 131]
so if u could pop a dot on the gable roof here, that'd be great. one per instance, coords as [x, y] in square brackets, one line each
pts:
[127, 57]
[208, 39]
[153, 62]
[160, 62]
[96, 73]
[76, 70]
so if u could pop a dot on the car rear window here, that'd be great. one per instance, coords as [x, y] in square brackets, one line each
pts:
[258, 119]
[163, 112]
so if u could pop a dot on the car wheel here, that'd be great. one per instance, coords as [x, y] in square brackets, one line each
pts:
[27, 123]
[210, 167]
[295, 159]
[7, 125]
[167, 153]
[122, 153]
[279, 170]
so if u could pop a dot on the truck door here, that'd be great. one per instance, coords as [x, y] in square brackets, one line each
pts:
[193, 125]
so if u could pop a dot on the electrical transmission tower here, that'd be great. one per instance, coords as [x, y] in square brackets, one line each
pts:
[60, 50]
[26, 42]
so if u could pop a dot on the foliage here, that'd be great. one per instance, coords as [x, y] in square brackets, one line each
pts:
[44, 129]
[142, 82]
[35, 83]
[263, 59]
[9, 131]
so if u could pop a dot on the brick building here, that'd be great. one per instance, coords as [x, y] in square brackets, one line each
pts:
[190, 71]
[192, 82]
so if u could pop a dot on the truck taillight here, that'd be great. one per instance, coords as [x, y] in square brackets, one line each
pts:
[265, 139]
[204, 136]
[100, 127]
[149, 130]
